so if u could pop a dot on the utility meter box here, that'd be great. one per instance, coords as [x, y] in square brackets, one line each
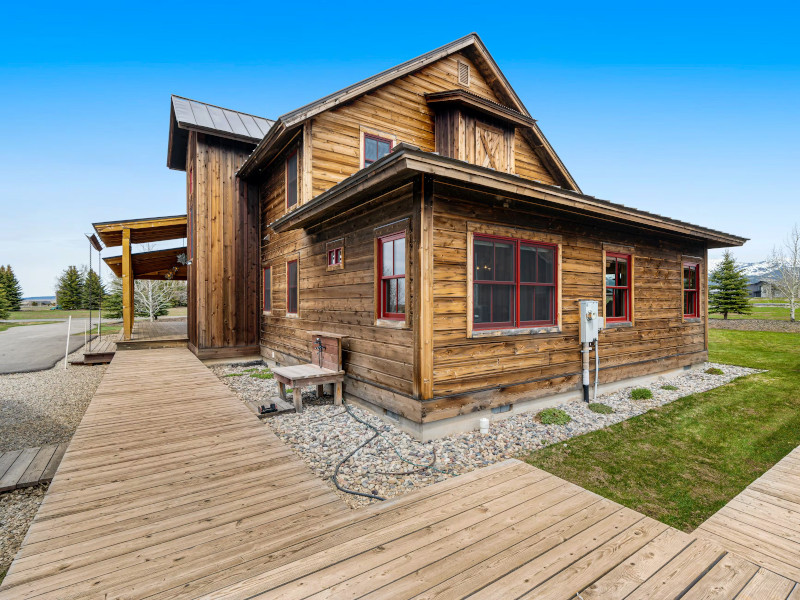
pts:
[591, 321]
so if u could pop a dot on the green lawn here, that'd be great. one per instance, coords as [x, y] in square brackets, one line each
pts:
[682, 462]
[104, 329]
[45, 313]
[6, 326]
[773, 313]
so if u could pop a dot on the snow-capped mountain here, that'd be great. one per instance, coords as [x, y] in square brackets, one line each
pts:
[755, 271]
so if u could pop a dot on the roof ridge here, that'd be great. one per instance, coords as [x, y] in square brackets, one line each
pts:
[222, 108]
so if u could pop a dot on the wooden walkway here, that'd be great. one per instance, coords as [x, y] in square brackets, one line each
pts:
[29, 467]
[172, 489]
[145, 335]
[763, 522]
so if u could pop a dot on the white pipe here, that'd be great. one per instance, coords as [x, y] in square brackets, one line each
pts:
[66, 352]
[596, 365]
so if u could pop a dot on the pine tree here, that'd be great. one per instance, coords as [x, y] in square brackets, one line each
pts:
[112, 303]
[728, 289]
[93, 291]
[5, 305]
[9, 281]
[69, 292]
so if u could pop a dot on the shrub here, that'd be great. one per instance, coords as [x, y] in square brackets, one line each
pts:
[641, 394]
[599, 407]
[554, 416]
[715, 371]
[669, 387]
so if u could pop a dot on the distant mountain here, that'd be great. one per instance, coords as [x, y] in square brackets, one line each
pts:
[755, 271]
[41, 298]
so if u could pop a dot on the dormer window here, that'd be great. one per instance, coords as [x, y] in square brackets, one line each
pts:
[375, 147]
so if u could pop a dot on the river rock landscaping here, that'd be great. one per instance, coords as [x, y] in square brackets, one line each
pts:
[394, 463]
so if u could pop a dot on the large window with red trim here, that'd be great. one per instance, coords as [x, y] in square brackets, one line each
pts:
[392, 265]
[291, 287]
[291, 180]
[267, 289]
[691, 290]
[375, 147]
[514, 283]
[618, 287]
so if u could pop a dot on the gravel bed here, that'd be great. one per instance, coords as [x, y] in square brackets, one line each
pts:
[17, 510]
[45, 407]
[324, 434]
[755, 325]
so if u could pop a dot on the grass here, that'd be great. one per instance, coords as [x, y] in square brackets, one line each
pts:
[265, 374]
[714, 371]
[600, 408]
[641, 394]
[682, 462]
[104, 329]
[770, 313]
[43, 312]
[5, 326]
[670, 388]
[554, 416]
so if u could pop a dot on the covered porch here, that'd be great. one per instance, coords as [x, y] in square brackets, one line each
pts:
[145, 335]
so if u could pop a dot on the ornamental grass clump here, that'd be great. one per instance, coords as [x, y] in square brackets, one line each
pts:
[599, 407]
[670, 388]
[641, 394]
[715, 371]
[554, 416]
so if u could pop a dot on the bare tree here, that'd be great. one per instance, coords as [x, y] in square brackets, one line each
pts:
[153, 298]
[785, 260]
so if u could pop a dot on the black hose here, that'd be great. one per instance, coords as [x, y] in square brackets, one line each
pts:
[335, 475]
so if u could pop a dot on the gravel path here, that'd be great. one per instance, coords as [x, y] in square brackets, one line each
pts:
[755, 325]
[17, 510]
[324, 434]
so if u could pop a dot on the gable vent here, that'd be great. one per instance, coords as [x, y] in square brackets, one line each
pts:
[463, 73]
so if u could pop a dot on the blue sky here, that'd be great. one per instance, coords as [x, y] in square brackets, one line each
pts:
[685, 110]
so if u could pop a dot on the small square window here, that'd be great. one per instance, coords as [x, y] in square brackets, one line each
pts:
[375, 147]
[334, 257]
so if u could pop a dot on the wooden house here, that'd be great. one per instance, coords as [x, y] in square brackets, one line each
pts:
[423, 214]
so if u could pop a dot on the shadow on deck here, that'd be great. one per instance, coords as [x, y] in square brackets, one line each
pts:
[146, 335]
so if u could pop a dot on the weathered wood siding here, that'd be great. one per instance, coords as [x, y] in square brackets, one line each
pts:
[224, 274]
[399, 109]
[476, 373]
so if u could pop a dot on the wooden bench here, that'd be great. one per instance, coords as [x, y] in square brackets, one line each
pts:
[327, 349]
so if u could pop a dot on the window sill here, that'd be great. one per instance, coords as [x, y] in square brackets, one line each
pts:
[266, 313]
[479, 333]
[292, 316]
[617, 324]
[692, 319]
[392, 323]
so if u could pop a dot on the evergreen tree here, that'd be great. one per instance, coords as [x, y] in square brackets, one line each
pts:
[112, 303]
[5, 305]
[10, 283]
[69, 291]
[728, 290]
[93, 291]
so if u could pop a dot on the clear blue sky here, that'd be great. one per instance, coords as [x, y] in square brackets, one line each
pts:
[690, 110]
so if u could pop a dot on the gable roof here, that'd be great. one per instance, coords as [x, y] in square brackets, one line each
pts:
[190, 115]
[470, 44]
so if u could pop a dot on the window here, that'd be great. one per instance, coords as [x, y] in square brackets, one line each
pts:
[514, 283]
[392, 264]
[691, 290]
[618, 287]
[375, 147]
[291, 287]
[267, 289]
[334, 257]
[291, 180]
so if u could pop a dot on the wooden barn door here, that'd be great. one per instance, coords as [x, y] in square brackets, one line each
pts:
[490, 147]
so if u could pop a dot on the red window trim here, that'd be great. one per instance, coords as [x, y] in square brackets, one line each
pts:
[267, 303]
[627, 316]
[381, 278]
[518, 243]
[696, 290]
[289, 156]
[297, 308]
[378, 138]
[337, 259]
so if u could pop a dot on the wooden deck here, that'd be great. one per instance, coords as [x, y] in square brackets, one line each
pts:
[172, 489]
[29, 467]
[146, 335]
[763, 522]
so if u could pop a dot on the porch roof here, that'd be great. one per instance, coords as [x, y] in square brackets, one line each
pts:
[152, 265]
[143, 231]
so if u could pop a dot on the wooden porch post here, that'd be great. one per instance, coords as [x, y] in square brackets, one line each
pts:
[127, 285]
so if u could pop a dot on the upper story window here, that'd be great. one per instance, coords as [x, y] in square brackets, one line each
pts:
[267, 289]
[514, 283]
[392, 265]
[691, 290]
[618, 287]
[375, 147]
[291, 180]
[334, 257]
[291, 287]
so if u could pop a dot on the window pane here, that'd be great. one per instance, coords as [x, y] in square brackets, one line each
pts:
[620, 302]
[390, 295]
[291, 180]
[545, 263]
[622, 271]
[400, 256]
[383, 148]
[690, 303]
[527, 265]
[502, 303]
[609, 302]
[370, 149]
[338, 256]
[689, 278]
[267, 290]
[291, 299]
[484, 260]
[544, 303]
[482, 301]
[526, 302]
[611, 271]
[503, 261]
[388, 258]
[401, 295]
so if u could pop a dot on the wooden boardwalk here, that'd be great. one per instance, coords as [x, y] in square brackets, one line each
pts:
[762, 523]
[172, 489]
[145, 335]
[29, 467]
